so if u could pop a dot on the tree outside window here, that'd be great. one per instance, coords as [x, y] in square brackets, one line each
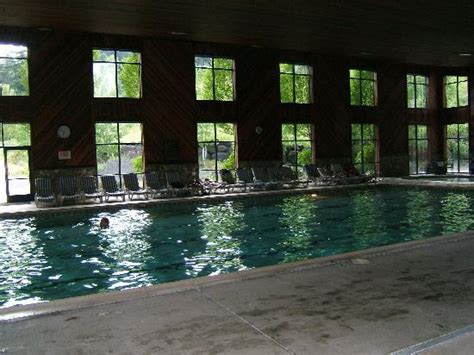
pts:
[295, 83]
[215, 79]
[216, 148]
[365, 148]
[418, 148]
[417, 91]
[457, 147]
[119, 148]
[297, 145]
[363, 87]
[117, 73]
[455, 91]
[13, 70]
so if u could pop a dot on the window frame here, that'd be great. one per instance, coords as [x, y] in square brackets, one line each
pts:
[27, 68]
[457, 139]
[215, 142]
[376, 163]
[417, 140]
[297, 167]
[457, 82]
[361, 80]
[415, 84]
[116, 65]
[119, 144]
[213, 70]
[293, 75]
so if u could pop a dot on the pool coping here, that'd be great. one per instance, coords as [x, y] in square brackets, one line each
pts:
[21, 312]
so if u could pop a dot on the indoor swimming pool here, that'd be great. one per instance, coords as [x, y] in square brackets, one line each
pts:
[54, 256]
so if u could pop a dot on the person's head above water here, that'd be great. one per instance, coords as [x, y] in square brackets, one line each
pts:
[104, 222]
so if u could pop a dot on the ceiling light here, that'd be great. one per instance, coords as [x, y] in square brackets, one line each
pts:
[465, 54]
[178, 33]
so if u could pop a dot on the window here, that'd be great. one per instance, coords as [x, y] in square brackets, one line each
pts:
[455, 91]
[216, 148]
[417, 91]
[365, 155]
[457, 148]
[418, 148]
[297, 145]
[295, 83]
[117, 73]
[119, 148]
[214, 78]
[363, 87]
[13, 70]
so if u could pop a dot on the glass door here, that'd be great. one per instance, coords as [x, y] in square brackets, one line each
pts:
[17, 173]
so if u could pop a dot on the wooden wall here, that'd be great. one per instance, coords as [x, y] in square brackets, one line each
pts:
[60, 72]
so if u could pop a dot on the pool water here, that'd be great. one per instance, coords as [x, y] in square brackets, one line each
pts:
[57, 256]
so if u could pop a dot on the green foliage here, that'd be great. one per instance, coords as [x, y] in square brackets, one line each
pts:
[455, 91]
[14, 77]
[295, 83]
[229, 162]
[362, 87]
[16, 134]
[214, 79]
[305, 157]
[137, 163]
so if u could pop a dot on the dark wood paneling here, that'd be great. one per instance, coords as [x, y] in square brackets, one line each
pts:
[60, 87]
[169, 108]
[258, 93]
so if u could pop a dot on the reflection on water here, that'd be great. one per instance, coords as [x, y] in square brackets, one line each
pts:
[456, 214]
[298, 215]
[20, 260]
[219, 225]
[124, 246]
[420, 213]
[57, 256]
[367, 222]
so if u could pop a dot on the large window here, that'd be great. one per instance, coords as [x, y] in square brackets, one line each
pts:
[365, 155]
[117, 73]
[119, 148]
[417, 91]
[418, 148]
[216, 148]
[215, 79]
[455, 91]
[457, 147]
[13, 70]
[297, 145]
[363, 87]
[295, 83]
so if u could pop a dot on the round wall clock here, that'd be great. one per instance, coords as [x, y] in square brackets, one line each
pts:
[63, 131]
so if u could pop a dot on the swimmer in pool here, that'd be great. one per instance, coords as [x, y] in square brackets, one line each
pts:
[104, 223]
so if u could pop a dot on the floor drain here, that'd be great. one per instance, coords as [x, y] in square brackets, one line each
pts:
[360, 261]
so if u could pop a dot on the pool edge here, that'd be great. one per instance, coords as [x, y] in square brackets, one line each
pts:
[15, 313]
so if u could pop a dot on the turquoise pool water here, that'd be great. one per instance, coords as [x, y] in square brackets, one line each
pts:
[56, 256]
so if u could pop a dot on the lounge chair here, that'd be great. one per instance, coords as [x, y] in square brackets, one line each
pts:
[155, 187]
[245, 177]
[261, 176]
[68, 190]
[44, 192]
[327, 178]
[89, 188]
[228, 181]
[312, 173]
[132, 188]
[176, 184]
[109, 185]
[289, 178]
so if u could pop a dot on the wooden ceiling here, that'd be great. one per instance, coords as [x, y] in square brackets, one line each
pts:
[412, 31]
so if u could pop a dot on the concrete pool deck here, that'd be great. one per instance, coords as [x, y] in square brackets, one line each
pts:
[415, 297]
